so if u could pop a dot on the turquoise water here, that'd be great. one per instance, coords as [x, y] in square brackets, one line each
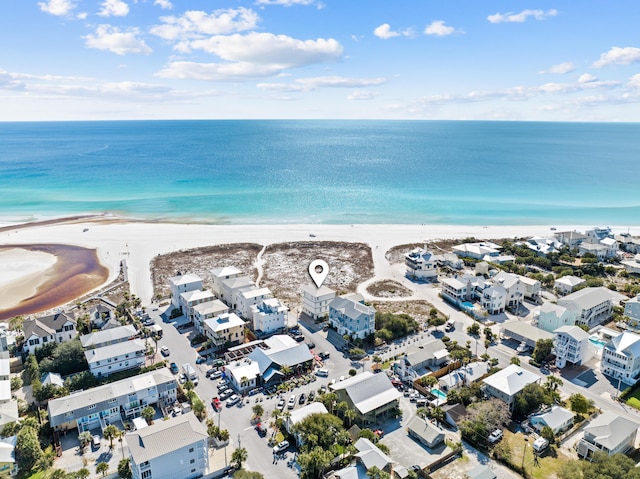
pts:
[467, 305]
[439, 394]
[337, 172]
[598, 342]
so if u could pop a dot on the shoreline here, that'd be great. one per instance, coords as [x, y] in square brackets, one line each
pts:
[138, 242]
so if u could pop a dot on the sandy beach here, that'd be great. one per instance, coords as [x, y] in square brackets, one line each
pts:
[138, 242]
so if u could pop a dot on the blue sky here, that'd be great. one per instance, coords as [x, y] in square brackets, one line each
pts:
[561, 60]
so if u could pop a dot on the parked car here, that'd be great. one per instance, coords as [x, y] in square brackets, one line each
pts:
[262, 429]
[233, 400]
[95, 441]
[450, 326]
[522, 347]
[174, 368]
[280, 447]
[325, 355]
[182, 378]
[292, 402]
[281, 404]
[312, 396]
[311, 344]
[222, 382]
[495, 436]
[303, 398]
[415, 468]
[201, 360]
[227, 393]
[299, 338]
[215, 403]
[216, 375]
[164, 351]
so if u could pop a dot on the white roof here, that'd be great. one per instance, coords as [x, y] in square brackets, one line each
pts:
[588, 298]
[511, 380]
[627, 343]
[311, 290]
[165, 437]
[224, 322]
[350, 306]
[298, 415]
[53, 378]
[281, 350]
[526, 330]
[370, 455]
[196, 295]
[610, 429]
[555, 417]
[455, 283]
[7, 450]
[225, 271]
[5, 367]
[243, 368]
[5, 390]
[570, 280]
[185, 279]
[211, 307]
[368, 391]
[574, 332]
[113, 350]
[108, 335]
[255, 292]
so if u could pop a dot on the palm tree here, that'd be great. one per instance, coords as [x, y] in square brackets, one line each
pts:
[16, 323]
[238, 456]
[85, 438]
[258, 410]
[438, 414]
[349, 416]
[553, 383]
[102, 468]
[148, 413]
[286, 370]
[243, 382]
[110, 433]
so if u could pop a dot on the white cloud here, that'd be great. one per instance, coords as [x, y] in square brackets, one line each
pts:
[522, 16]
[82, 15]
[285, 3]
[634, 81]
[586, 78]
[217, 71]
[164, 4]
[617, 55]
[439, 29]
[559, 69]
[116, 41]
[310, 84]
[197, 24]
[115, 8]
[363, 95]
[384, 31]
[57, 7]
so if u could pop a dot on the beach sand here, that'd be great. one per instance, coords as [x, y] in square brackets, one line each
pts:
[138, 242]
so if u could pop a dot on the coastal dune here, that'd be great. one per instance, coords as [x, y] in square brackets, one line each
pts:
[89, 253]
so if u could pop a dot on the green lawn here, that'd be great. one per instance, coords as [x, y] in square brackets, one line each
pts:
[634, 399]
[548, 464]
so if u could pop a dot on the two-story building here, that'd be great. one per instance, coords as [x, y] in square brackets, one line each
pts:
[571, 345]
[56, 328]
[421, 264]
[182, 284]
[269, 316]
[567, 284]
[190, 299]
[632, 309]
[175, 448]
[621, 358]
[609, 433]
[594, 305]
[274, 356]
[249, 297]
[107, 337]
[225, 330]
[222, 274]
[505, 384]
[421, 358]
[117, 401]
[204, 311]
[117, 357]
[315, 301]
[350, 316]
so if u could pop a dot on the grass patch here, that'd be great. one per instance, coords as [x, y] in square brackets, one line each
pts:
[548, 464]
[634, 399]
[35, 475]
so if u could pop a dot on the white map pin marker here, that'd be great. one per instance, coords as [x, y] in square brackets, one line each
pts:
[318, 269]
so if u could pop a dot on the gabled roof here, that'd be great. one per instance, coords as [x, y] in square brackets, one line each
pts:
[511, 380]
[426, 351]
[526, 330]
[457, 412]
[574, 332]
[185, 279]
[108, 335]
[238, 282]
[351, 307]
[196, 294]
[570, 280]
[370, 455]
[211, 307]
[298, 415]
[424, 429]
[555, 417]
[368, 391]
[588, 298]
[223, 322]
[118, 349]
[627, 343]
[255, 292]
[507, 280]
[46, 325]
[280, 350]
[7, 450]
[312, 290]
[610, 429]
[165, 437]
[225, 271]
[52, 378]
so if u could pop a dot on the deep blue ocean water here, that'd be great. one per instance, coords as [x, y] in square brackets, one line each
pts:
[295, 171]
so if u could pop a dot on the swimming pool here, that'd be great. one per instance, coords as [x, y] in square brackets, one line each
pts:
[467, 305]
[599, 343]
[439, 394]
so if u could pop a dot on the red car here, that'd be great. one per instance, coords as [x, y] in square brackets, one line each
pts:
[379, 433]
[215, 403]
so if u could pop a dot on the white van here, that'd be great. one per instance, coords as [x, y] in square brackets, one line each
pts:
[323, 373]
[540, 444]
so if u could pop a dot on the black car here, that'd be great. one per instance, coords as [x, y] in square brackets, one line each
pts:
[262, 430]
[311, 344]
[299, 338]
[312, 395]
[303, 398]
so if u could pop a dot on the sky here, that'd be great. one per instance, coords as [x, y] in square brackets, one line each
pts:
[556, 60]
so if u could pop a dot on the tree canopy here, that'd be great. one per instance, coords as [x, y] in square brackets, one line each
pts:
[318, 429]
[543, 350]
[66, 358]
[483, 418]
[530, 398]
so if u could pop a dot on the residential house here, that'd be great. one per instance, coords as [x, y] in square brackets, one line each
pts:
[249, 297]
[117, 401]
[371, 395]
[425, 432]
[244, 374]
[57, 327]
[8, 465]
[224, 330]
[570, 238]
[190, 299]
[300, 414]
[594, 305]
[602, 251]
[571, 345]
[52, 378]
[632, 266]
[508, 382]
[230, 288]
[542, 246]
[621, 358]
[108, 337]
[515, 287]
[478, 251]
[208, 310]
[368, 456]
[609, 433]
[524, 332]
[531, 288]
[269, 316]
[175, 448]
[557, 418]
[101, 313]
[421, 358]
[181, 284]
[567, 284]
[480, 472]
[464, 376]
[553, 316]
[8, 405]
[632, 309]
[457, 289]
[494, 299]
[449, 260]
[117, 357]
[277, 353]
[628, 242]
[222, 274]
[596, 234]
[315, 301]
[350, 316]
[454, 414]
[420, 264]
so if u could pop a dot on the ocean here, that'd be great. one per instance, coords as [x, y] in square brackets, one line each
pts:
[336, 172]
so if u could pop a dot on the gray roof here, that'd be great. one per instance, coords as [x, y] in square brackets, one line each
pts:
[588, 298]
[165, 437]
[185, 279]
[368, 391]
[46, 325]
[281, 350]
[108, 335]
[52, 378]
[225, 271]
[481, 472]
[118, 349]
[555, 417]
[7, 449]
[574, 332]
[425, 351]
[526, 330]
[312, 290]
[627, 344]
[114, 390]
[424, 429]
[511, 380]
[350, 306]
[238, 282]
[370, 455]
[298, 415]
[610, 430]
